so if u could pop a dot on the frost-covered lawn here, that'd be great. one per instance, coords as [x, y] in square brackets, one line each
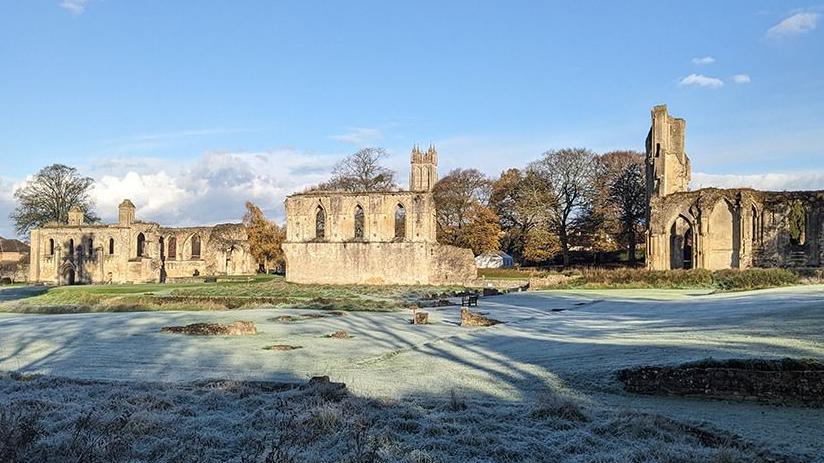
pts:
[565, 343]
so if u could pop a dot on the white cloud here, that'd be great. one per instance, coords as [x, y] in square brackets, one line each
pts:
[700, 80]
[807, 180]
[703, 60]
[76, 7]
[797, 23]
[359, 136]
[208, 190]
[741, 79]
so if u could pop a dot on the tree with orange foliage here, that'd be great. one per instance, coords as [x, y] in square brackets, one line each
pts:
[265, 237]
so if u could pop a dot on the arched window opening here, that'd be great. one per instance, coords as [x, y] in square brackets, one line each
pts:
[71, 247]
[90, 249]
[196, 247]
[798, 224]
[320, 223]
[657, 150]
[141, 245]
[162, 248]
[111, 246]
[400, 222]
[51, 246]
[359, 222]
[681, 244]
[172, 254]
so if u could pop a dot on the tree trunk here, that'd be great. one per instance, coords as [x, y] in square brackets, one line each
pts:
[564, 246]
[630, 243]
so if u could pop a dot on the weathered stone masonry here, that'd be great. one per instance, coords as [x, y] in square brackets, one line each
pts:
[134, 251]
[715, 228]
[373, 237]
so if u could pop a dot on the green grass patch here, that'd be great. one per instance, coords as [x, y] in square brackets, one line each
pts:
[226, 294]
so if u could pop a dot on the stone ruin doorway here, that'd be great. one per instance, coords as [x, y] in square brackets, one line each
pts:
[69, 274]
[682, 244]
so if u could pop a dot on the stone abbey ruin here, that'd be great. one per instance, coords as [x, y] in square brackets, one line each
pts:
[373, 237]
[134, 251]
[715, 228]
[389, 237]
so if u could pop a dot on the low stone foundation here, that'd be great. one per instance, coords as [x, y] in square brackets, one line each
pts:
[774, 381]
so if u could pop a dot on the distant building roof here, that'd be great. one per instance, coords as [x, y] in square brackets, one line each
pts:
[10, 245]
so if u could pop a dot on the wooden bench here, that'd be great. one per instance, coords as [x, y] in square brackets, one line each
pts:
[470, 300]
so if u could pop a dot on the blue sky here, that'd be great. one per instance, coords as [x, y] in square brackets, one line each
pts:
[191, 107]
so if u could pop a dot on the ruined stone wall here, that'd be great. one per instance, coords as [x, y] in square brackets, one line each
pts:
[667, 164]
[736, 228]
[378, 211]
[405, 263]
[781, 386]
[379, 255]
[93, 253]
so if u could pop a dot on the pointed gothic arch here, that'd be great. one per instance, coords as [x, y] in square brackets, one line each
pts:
[400, 222]
[320, 223]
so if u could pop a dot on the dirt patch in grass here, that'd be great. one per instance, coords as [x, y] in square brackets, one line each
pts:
[238, 328]
[282, 347]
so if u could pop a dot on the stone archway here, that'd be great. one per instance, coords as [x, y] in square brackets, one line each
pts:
[682, 244]
[68, 274]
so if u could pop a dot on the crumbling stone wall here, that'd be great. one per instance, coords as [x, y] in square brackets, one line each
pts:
[736, 228]
[802, 386]
[108, 253]
[715, 228]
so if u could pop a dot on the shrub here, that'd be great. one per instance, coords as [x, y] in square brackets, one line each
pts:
[754, 278]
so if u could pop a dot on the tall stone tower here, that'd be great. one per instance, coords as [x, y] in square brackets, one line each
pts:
[423, 171]
[668, 167]
[125, 213]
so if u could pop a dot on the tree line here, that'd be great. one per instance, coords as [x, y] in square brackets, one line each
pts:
[566, 200]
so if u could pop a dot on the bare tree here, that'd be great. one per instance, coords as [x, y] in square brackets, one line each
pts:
[568, 178]
[627, 194]
[362, 171]
[48, 197]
